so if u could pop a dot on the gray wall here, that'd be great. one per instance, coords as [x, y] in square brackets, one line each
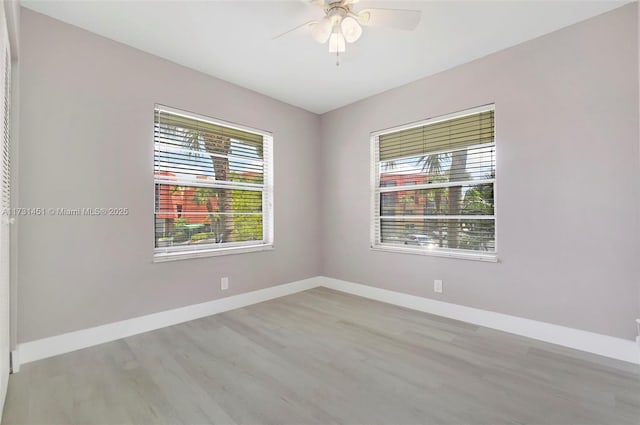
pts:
[87, 141]
[567, 180]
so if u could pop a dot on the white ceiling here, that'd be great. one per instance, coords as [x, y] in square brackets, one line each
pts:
[232, 40]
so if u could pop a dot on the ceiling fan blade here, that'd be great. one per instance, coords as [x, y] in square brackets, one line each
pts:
[321, 30]
[402, 19]
[313, 2]
[300, 28]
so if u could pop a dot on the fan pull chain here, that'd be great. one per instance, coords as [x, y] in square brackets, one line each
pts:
[337, 58]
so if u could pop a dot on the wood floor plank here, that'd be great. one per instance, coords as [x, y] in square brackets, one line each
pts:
[325, 357]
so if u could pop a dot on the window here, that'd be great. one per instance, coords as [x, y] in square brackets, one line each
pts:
[213, 186]
[433, 186]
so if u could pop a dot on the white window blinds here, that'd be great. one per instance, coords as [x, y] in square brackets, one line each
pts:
[6, 126]
[434, 185]
[213, 187]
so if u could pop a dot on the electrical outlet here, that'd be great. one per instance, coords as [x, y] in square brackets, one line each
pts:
[437, 286]
[224, 283]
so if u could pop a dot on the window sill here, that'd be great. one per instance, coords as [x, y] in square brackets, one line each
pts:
[489, 258]
[161, 257]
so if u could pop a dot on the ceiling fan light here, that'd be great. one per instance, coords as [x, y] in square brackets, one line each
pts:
[322, 30]
[351, 29]
[336, 43]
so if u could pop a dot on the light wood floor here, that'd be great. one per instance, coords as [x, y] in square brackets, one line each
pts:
[323, 357]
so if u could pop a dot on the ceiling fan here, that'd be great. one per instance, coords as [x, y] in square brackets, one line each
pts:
[342, 24]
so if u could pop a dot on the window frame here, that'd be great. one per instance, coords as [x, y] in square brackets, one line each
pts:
[375, 191]
[162, 254]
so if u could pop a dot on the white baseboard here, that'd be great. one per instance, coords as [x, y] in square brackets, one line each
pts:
[604, 345]
[52, 346]
[616, 348]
